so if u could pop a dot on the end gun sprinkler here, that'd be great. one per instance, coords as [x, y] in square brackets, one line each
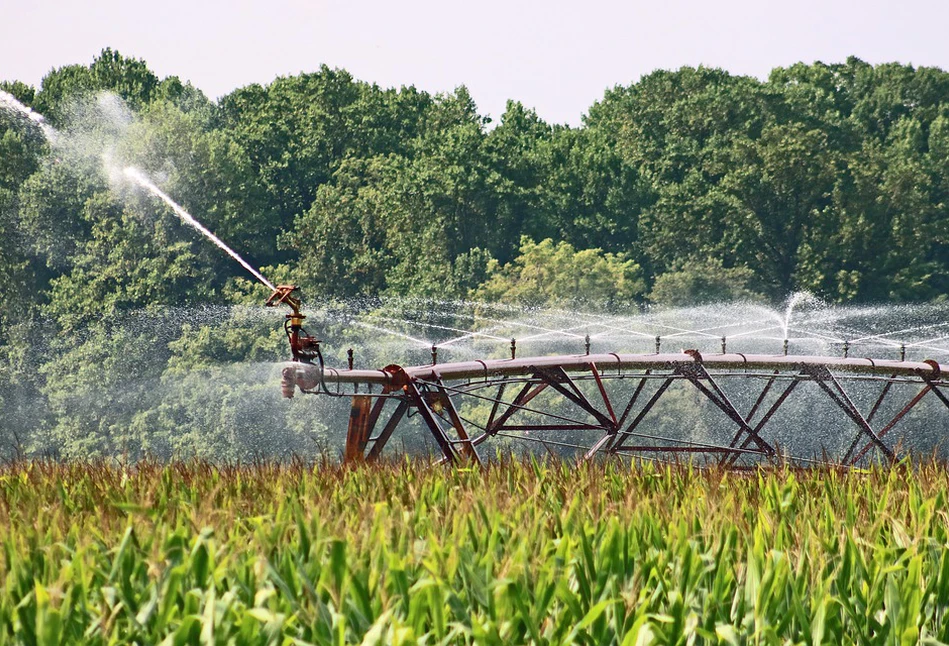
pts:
[303, 347]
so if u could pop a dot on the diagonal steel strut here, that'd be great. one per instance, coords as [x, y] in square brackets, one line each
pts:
[695, 373]
[823, 376]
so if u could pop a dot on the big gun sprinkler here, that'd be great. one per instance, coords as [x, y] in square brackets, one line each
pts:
[303, 347]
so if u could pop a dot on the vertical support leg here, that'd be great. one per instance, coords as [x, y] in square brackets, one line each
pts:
[362, 417]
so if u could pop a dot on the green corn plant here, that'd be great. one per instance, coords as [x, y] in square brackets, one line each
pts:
[523, 551]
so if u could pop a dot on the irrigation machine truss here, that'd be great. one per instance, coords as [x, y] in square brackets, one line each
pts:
[596, 404]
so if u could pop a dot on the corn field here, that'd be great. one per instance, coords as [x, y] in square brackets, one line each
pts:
[522, 552]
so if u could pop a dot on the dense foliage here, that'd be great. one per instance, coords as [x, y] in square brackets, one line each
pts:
[687, 185]
[543, 553]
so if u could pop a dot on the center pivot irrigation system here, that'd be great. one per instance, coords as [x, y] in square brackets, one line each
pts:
[600, 404]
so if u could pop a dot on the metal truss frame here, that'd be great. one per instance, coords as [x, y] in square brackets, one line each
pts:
[579, 403]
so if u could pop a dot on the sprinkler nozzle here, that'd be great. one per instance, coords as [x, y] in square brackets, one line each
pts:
[284, 294]
[303, 346]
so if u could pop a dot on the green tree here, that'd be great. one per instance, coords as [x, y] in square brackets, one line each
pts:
[129, 78]
[548, 273]
[296, 131]
[399, 223]
[697, 283]
[588, 194]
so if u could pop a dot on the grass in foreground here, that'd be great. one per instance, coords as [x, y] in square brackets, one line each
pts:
[523, 552]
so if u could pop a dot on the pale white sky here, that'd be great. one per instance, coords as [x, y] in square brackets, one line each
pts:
[557, 57]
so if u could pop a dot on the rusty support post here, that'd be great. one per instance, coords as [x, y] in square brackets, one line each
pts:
[632, 400]
[938, 393]
[758, 402]
[603, 441]
[604, 395]
[527, 393]
[695, 373]
[557, 378]
[361, 421]
[761, 423]
[494, 406]
[879, 401]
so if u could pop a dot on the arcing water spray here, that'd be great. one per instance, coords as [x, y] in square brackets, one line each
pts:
[9, 102]
[186, 217]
